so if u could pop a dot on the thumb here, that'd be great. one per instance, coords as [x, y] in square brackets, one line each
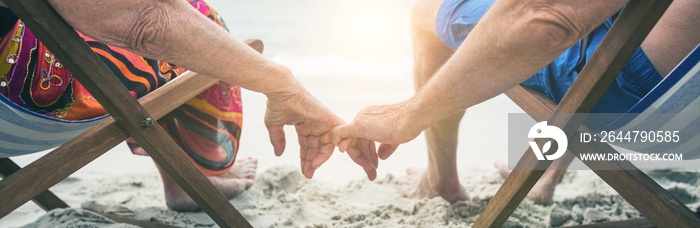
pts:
[277, 138]
[386, 150]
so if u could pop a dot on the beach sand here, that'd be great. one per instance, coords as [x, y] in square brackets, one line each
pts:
[282, 197]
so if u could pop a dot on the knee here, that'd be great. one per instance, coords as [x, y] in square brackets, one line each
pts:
[423, 16]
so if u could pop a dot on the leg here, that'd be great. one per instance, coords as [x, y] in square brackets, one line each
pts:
[204, 144]
[543, 191]
[232, 183]
[429, 55]
[674, 36]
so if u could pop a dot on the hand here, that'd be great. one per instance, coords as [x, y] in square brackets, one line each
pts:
[314, 124]
[387, 124]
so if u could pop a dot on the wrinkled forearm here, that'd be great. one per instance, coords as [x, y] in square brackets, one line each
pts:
[173, 31]
[512, 42]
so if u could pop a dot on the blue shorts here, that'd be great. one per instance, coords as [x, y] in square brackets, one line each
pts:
[456, 18]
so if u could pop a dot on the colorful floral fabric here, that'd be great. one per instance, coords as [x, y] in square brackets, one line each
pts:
[207, 127]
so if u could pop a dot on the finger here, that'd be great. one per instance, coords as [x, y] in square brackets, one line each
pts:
[344, 144]
[277, 138]
[308, 146]
[385, 150]
[356, 157]
[342, 132]
[363, 161]
[324, 153]
[303, 149]
[336, 137]
[366, 166]
[319, 159]
[371, 174]
[367, 149]
[306, 172]
[373, 154]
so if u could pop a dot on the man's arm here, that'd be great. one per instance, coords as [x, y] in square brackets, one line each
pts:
[512, 42]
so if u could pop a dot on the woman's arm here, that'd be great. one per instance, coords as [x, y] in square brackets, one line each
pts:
[512, 42]
[173, 31]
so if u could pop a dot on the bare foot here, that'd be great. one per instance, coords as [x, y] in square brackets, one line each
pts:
[542, 192]
[243, 169]
[238, 179]
[423, 184]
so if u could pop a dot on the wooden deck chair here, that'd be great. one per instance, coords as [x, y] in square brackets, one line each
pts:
[658, 206]
[128, 119]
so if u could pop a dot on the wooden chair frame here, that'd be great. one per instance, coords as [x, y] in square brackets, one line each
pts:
[129, 119]
[655, 203]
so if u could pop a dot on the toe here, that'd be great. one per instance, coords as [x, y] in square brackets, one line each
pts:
[502, 169]
[250, 174]
[413, 170]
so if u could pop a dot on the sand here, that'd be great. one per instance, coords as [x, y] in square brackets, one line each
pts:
[282, 197]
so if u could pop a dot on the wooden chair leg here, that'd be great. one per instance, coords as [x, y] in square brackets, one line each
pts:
[97, 78]
[632, 26]
[28, 182]
[652, 200]
[71, 156]
[637, 188]
[46, 199]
